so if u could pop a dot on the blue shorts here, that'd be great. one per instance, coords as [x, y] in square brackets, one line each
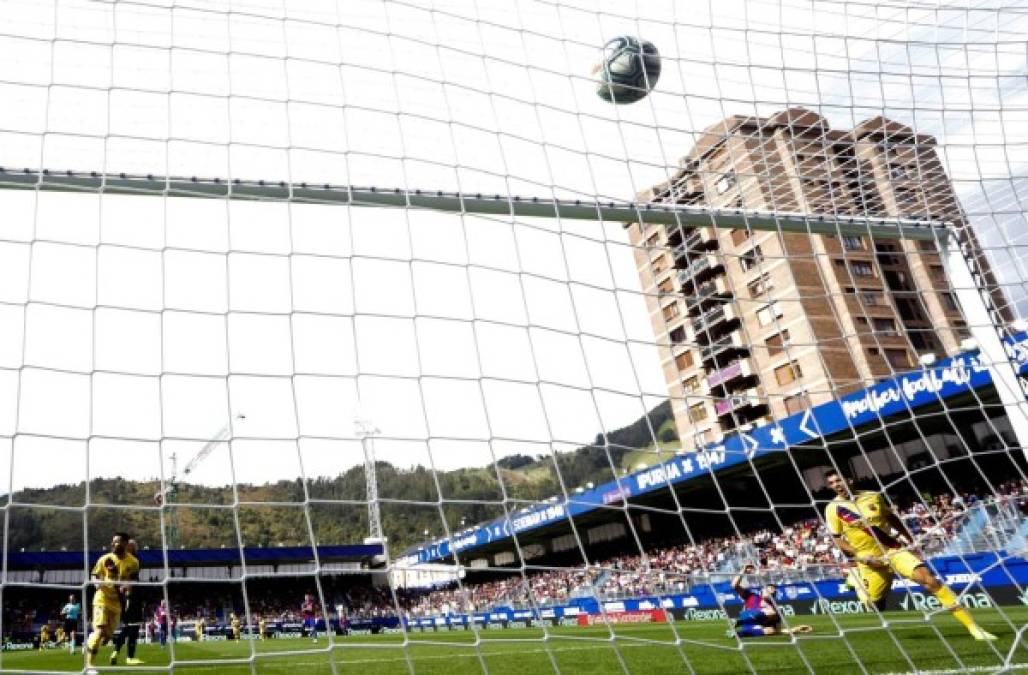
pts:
[757, 617]
[308, 623]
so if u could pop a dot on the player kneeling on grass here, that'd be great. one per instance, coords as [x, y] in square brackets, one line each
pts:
[865, 529]
[759, 616]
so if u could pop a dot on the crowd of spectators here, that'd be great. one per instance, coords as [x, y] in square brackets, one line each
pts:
[805, 547]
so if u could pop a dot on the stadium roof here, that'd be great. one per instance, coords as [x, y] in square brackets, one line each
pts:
[198, 556]
[852, 414]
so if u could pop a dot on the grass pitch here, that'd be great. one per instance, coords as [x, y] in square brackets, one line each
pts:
[842, 644]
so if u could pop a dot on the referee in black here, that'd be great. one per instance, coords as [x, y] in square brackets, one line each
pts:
[131, 621]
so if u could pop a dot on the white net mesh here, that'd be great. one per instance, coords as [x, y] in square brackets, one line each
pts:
[375, 326]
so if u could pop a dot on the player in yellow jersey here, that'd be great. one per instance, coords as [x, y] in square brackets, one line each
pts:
[262, 628]
[200, 625]
[44, 636]
[109, 574]
[236, 625]
[865, 529]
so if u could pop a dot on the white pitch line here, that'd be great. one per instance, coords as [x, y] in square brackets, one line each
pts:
[1008, 668]
[472, 655]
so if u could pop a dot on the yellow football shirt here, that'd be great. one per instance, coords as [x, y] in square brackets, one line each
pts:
[862, 522]
[110, 569]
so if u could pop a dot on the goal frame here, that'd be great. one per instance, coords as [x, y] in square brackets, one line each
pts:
[955, 257]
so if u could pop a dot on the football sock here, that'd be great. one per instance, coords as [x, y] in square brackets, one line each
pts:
[949, 600]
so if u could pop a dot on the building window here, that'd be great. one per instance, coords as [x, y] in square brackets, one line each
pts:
[726, 182]
[659, 264]
[671, 311]
[950, 302]
[853, 243]
[903, 172]
[740, 236]
[898, 358]
[927, 245]
[691, 385]
[790, 372]
[797, 402]
[684, 360]
[654, 240]
[885, 327]
[777, 343]
[871, 298]
[766, 315]
[760, 285]
[751, 259]
[666, 286]
[697, 413]
[860, 268]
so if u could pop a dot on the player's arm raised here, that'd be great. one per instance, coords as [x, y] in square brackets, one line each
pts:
[737, 580]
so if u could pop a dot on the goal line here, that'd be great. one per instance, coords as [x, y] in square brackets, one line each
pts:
[475, 203]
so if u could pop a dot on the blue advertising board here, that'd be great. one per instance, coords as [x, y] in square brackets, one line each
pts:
[950, 377]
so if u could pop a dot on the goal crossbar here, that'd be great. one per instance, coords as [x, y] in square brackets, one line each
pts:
[470, 203]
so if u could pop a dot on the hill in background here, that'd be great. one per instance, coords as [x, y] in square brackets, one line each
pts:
[275, 514]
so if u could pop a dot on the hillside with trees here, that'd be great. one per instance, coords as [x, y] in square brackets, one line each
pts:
[275, 514]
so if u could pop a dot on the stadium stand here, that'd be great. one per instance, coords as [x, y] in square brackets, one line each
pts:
[799, 550]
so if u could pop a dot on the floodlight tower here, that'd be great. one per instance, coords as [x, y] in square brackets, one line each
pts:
[366, 431]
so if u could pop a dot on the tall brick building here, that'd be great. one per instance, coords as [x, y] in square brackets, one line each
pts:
[754, 325]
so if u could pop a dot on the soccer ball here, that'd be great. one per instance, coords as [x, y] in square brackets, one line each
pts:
[629, 70]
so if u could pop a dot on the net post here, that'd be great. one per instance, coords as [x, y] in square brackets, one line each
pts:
[987, 333]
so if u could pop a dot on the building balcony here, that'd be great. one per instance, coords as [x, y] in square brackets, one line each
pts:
[735, 370]
[697, 242]
[708, 293]
[733, 342]
[715, 320]
[737, 403]
[699, 270]
[702, 237]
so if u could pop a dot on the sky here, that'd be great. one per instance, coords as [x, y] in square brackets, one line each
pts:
[272, 310]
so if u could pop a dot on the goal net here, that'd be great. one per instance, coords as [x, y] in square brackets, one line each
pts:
[393, 345]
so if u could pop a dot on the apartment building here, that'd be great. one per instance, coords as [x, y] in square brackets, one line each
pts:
[754, 325]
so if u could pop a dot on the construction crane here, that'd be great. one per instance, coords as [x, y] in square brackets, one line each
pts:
[170, 493]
